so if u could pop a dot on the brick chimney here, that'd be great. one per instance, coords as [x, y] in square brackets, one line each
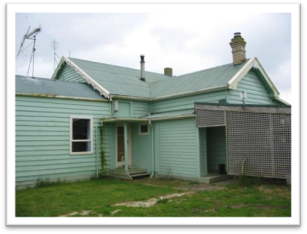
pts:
[238, 49]
[168, 71]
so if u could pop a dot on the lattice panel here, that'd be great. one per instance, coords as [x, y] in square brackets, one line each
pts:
[210, 118]
[259, 144]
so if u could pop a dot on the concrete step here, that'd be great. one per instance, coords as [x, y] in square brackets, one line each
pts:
[145, 174]
[137, 172]
[214, 178]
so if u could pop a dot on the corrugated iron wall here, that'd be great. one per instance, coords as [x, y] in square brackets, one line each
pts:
[258, 144]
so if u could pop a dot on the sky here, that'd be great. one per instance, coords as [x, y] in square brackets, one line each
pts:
[186, 43]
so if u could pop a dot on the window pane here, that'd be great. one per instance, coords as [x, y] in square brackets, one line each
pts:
[81, 129]
[144, 128]
[120, 130]
[81, 146]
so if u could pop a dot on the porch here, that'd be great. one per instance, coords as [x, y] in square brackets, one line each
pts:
[131, 155]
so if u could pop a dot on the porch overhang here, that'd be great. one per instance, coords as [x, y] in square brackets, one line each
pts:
[181, 114]
[123, 119]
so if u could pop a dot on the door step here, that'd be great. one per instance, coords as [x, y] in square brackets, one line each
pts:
[120, 173]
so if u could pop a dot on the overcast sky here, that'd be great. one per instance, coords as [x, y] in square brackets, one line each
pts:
[187, 43]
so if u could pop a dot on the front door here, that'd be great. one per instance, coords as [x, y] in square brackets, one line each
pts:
[120, 146]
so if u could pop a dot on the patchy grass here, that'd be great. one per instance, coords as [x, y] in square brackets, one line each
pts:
[96, 198]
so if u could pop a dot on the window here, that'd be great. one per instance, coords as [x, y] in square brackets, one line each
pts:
[81, 135]
[143, 129]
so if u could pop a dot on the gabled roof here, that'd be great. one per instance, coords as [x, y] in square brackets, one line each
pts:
[125, 82]
[57, 88]
[212, 78]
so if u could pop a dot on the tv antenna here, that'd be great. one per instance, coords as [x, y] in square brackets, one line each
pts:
[30, 36]
[55, 45]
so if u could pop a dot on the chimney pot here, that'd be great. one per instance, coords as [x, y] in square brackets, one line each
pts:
[238, 48]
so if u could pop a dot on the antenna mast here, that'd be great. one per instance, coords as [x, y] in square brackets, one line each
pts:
[31, 36]
[54, 45]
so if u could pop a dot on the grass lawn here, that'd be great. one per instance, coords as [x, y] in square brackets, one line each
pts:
[97, 197]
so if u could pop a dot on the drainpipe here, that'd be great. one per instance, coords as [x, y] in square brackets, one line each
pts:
[152, 147]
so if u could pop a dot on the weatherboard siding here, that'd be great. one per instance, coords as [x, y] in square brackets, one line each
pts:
[42, 139]
[140, 109]
[141, 148]
[187, 102]
[69, 74]
[127, 108]
[256, 91]
[178, 153]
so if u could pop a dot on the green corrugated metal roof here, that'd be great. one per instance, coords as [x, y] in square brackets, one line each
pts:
[126, 81]
[29, 85]
[196, 81]
[119, 80]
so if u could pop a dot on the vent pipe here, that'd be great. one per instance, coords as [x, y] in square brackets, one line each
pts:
[142, 67]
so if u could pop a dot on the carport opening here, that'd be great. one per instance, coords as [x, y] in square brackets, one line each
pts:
[216, 150]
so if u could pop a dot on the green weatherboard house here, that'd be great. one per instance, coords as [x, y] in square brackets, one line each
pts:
[92, 118]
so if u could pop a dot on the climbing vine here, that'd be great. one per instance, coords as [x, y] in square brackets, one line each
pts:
[102, 153]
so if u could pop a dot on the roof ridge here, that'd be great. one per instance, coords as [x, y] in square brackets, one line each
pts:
[118, 66]
[207, 69]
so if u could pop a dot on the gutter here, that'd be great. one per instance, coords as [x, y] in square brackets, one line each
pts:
[223, 87]
[61, 97]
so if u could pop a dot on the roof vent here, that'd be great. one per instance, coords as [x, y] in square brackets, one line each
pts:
[142, 67]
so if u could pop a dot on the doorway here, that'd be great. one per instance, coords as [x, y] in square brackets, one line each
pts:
[120, 145]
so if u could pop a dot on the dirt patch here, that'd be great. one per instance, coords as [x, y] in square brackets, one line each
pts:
[237, 206]
[148, 203]
[265, 189]
[267, 207]
[83, 213]
[199, 187]
[152, 201]
[69, 214]
[115, 211]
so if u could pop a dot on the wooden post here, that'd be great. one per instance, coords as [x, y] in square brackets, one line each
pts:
[126, 146]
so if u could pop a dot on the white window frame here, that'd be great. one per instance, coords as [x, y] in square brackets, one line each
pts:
[71, 135]
[144, 133]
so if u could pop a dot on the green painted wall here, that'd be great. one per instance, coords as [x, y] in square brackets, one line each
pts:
[129, 108]
[141, 148]
[182, 103]
[140, 109]
[203, 152]
[124, 109]
[216, 148]
[256, 91]
[177, 151]
[70, 74]
[109, 144]
[42, 139]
